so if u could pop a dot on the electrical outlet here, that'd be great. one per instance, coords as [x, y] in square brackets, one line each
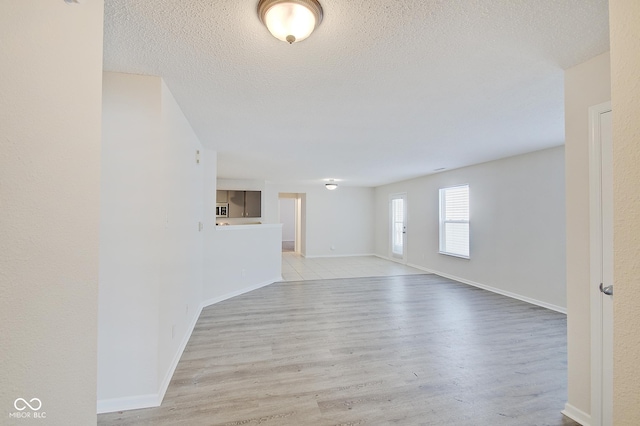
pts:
[197, 157]
[243, 272]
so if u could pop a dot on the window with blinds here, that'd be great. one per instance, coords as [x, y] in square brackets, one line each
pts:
[454, 221]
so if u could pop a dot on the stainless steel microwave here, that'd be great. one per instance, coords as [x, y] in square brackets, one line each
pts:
[222, 209]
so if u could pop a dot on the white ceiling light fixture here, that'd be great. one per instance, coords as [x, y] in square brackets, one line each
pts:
[290, 20]
[331, 185]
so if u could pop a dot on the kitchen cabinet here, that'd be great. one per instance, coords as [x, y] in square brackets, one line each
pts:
[236, 203]
[241, 203]
[252, 204]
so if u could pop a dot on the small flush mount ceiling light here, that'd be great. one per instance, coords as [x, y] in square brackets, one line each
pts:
[290, 20]
[331, 185]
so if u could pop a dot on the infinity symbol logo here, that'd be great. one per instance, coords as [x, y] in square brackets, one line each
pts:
[21, 402]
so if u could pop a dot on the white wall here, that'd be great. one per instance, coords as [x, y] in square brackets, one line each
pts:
[50, 102]
[586, 85]
[517, 226]
[150, 245]
[237, 258]
[210, 164]
[157, 270]
[240, 258]
[625, 64]
[336, 223]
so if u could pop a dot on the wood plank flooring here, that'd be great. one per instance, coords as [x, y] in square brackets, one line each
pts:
[405, 350]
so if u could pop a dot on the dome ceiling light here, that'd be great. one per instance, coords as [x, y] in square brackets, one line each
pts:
[290, 20]
[331, 185]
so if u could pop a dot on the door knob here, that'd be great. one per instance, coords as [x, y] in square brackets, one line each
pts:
[608, 290]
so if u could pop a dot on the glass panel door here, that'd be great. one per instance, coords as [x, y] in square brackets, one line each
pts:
[398, 226]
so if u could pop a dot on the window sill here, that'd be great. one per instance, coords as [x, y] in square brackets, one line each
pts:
[454, 255]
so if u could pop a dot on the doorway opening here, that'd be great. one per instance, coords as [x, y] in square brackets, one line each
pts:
[291, 215]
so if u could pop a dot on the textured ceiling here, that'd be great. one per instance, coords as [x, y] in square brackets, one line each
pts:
[382, 91]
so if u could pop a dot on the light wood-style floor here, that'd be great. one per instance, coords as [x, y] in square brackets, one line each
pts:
[405, 350]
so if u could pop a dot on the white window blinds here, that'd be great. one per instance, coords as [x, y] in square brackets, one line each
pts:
[454, 221]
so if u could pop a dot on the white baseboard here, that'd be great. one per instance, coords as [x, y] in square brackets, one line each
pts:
[151, 400]
[128, 403]
[396, 260]
[576, 414]
[154, 400]
[338, 255]
[176, 359]
[491, 289]
[224, 297]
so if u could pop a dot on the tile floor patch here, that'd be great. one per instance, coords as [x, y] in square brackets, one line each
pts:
[296, 267]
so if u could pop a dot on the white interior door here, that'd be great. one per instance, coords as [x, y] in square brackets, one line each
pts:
[601, 193]
[398, 227]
